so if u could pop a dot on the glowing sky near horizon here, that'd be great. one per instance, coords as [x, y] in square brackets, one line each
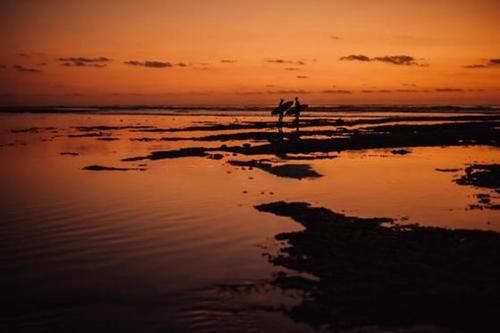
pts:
[221, 51]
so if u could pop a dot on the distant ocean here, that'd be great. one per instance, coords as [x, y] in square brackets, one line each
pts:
[179, 109]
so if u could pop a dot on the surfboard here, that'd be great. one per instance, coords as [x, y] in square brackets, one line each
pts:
[282, 108]
[297, 109]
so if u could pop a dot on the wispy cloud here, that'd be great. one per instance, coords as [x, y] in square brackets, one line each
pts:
[278, 61]
[356, 57]
[337, 91]
[291, 91]
[23, 69]
[401, 60]
[30, 54]
[97, 62]
[420, 91]
[276, 92]
[203, 66]
[413, 91]
[490, 63]
[149, 64]
[292, 69]
[228, 61]
[455, 90]
[335, 37]
[302, 77]
[379, 91]
[126, 94]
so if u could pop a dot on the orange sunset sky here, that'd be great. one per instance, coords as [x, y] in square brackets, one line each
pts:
[237, 52]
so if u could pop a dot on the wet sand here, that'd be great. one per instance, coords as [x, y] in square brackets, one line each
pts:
[141, 222]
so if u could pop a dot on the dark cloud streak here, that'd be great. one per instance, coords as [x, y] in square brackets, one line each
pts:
[456, 90]
[279, 61]
[337, 91]
[400, 60]
[149, 64]
[490, 63]
[97, 62]
[23, 69]
[356, 57]
[276, 92]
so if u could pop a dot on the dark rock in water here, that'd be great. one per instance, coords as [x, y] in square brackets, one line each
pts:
[143, 139]
[297, 171]
[400, 152]
[159, 155]
[108, 139]
[69, 153]
[33, 129]
[364, 273]
[216, 156]
[387, 136]
[484, 198]
[447, 170]
[110, 128]
[251, 125]
[105, 168]
[88, 135]
[482, 175]
[26, 130]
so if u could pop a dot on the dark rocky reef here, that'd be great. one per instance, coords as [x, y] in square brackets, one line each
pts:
[33, 129]
[482, 175]
[108, 139]
[400, 151]
[160, 155]
[296, 171]
[447, 169]
[106, 168]
[387, 136]
[368, 271]
[318, 122]
[109, 128]
[88, 135]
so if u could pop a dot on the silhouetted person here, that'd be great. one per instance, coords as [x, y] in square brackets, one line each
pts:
[297, 109]
[281, 109]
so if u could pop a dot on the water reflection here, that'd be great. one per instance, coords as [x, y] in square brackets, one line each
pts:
[74, 241]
